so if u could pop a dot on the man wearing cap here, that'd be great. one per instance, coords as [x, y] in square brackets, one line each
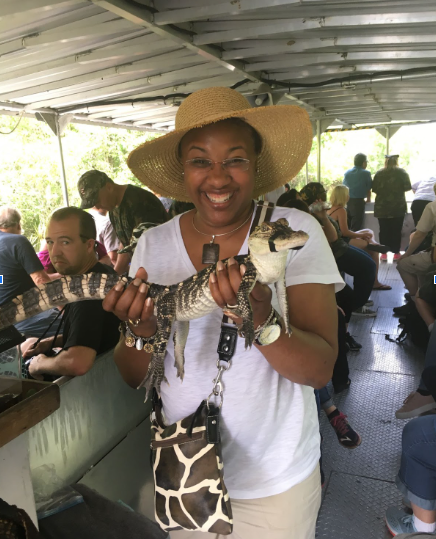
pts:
[390, 185]
[128, 206]
[358, 180]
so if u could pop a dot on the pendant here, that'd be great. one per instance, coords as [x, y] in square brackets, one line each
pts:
[139, 344]
[129, 341]
[148, 348]
[211, 252]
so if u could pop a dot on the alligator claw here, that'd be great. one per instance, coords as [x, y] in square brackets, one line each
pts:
[248, 331]
[154, 377]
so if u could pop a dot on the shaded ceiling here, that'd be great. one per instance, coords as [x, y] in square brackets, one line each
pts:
[130, 64]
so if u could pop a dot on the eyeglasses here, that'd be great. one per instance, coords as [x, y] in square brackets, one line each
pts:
[236, 164]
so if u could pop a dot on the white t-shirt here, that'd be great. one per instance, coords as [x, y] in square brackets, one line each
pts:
[269, 425]
[273, 196]
[423, 189]
[105, 231]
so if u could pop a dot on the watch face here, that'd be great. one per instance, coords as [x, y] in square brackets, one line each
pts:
[270, 334]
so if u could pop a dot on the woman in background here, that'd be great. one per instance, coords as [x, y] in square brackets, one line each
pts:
[363, 239]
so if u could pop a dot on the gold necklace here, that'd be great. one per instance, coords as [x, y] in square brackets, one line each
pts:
[211, 250]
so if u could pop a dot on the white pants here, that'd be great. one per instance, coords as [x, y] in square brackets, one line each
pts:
[290, 515]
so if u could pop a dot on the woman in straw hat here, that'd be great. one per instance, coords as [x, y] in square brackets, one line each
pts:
[221, 156]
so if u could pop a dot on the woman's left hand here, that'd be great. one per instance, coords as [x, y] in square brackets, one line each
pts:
[224, 285]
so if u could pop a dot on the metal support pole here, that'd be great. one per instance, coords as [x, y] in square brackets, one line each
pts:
[318, 161]
[307, 172]
[61, 165]
[387, 139]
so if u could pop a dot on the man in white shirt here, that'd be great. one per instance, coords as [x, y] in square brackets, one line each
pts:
[106, 233]
[423, 195]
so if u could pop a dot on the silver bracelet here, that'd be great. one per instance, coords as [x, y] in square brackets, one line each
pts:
[267, 322]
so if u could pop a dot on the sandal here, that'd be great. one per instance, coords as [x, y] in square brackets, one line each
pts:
[376, 247]
[383, 287]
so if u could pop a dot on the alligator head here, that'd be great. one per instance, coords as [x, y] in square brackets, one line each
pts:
[273, 237]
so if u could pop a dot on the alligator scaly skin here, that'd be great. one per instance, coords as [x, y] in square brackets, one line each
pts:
[181, 302]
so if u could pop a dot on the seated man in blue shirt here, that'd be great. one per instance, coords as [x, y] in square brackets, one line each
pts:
[21, 270]
[358, 180]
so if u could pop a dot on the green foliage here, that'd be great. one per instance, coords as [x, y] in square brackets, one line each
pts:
[30, 177]
[30, 174]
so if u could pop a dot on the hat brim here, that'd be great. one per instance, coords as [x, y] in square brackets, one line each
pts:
[286, 134]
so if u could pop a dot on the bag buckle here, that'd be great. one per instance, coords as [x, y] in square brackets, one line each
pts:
[218, 389]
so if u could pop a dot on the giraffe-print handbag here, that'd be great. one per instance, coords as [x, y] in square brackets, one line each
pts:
[190, 493]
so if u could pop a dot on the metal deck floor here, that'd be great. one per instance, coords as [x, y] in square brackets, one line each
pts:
[359, 483]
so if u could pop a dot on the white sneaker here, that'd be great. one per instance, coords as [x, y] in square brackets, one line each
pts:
[365, 312]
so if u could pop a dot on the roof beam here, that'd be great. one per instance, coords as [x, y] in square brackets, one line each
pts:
[142, 17]
[66, 67]
[299, 59]
[11, 7]
[198, 72]
[177, 16]
[61, 35]
[283, 47]
[311, 71]
[275, 27]
[103, 77]
[185, 87]
[258, 49]
[160, 112]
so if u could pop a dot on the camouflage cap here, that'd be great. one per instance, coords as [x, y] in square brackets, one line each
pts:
[311, 192]
[89, 186]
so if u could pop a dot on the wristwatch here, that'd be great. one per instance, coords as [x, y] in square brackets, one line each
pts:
[269, 331]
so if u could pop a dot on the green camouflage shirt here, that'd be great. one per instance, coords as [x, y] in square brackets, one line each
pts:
[389, 185]
[138, 206]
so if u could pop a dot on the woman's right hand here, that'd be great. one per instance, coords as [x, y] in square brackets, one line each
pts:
[365, 236]
[131, 303]
[40, 348]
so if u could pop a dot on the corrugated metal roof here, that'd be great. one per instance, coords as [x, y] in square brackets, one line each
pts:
[126, 63]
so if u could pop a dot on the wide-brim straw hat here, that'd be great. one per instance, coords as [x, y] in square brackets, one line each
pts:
[286, 134]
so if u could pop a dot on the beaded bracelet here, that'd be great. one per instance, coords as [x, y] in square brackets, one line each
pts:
[132, 340]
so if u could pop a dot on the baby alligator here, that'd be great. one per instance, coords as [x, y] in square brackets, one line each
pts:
[178, 303]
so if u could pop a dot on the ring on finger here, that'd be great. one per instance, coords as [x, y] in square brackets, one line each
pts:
[230, 307]
[134, 323]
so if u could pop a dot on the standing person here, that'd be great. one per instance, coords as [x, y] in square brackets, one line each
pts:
[128, 206]
[423, 194]
[390, 185]
[358, 180]
[106, 234]
[221, 156]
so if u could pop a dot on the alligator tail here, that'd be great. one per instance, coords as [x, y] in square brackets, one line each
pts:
[67, 289]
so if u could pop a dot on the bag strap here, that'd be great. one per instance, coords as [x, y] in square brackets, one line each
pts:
[60, 313]
[264, 210]
[229, 333]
